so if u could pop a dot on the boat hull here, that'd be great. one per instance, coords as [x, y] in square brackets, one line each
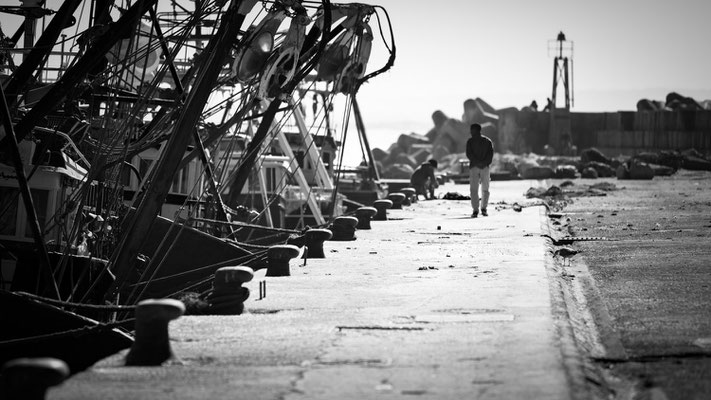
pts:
[31, 328]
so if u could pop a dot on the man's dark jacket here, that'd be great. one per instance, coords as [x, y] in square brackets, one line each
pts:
[480, 152]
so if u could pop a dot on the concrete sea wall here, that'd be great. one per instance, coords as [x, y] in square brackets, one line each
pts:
[613, 133]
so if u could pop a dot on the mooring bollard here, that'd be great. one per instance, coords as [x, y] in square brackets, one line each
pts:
[30, 378]
[364, 215]
[152, 344]
[382, 206]
[228, 295]
[344, 228]
[278, 259]
[409, 196]
[314, 242]
[397, 199]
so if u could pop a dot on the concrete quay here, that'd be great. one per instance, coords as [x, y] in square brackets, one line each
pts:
[430, 304]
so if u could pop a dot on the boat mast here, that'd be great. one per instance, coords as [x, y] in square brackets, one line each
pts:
[373, 170]
[30, 23]
[101, 12]
[209, 175]
[39, 52]
[76, 74]
[217, 49]
[253, 149]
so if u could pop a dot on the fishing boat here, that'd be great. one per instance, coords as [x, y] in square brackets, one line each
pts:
[152, 144]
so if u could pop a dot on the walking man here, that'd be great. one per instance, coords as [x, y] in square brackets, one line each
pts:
[480, 152]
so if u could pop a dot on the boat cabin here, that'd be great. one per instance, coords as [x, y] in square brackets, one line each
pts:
[186, 189]
[56, 177]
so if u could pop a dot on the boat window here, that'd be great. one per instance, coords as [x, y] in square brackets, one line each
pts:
[180, 181]
[271, 180]
[326, 160]
[143, 165]
[126, 176]
[40, 198]
[300, 158]
[9, 200]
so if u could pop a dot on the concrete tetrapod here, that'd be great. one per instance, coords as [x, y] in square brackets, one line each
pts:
[410, 197]
[344, 228]
[278, 259]
[228, 295]
[152, 344]
[29, 378]
[382, 206]
[365, 215]
[314, 242]
[397, 199]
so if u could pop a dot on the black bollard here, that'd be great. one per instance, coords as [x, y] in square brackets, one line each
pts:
[30, 378]
[344, 228]
[365, 215]
[278, 259]
[382, 206]
[397, 199]
[152, 345]
[314, 242]
[228, 295]
[409, 196]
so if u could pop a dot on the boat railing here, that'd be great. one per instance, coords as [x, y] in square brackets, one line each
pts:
[69, 140]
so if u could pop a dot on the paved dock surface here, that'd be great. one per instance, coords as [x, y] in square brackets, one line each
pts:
[430, 304]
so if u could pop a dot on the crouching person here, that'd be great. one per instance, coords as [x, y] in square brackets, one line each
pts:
[424, 180]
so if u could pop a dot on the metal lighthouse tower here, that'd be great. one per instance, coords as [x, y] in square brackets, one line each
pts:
[559, 134]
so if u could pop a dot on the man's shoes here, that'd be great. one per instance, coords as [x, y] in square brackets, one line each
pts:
[475, 214]
[484, 213]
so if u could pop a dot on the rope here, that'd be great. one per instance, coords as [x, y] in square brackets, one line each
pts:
[61, 303]
[72, 332]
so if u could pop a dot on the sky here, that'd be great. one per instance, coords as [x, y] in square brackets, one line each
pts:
[451, 50]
